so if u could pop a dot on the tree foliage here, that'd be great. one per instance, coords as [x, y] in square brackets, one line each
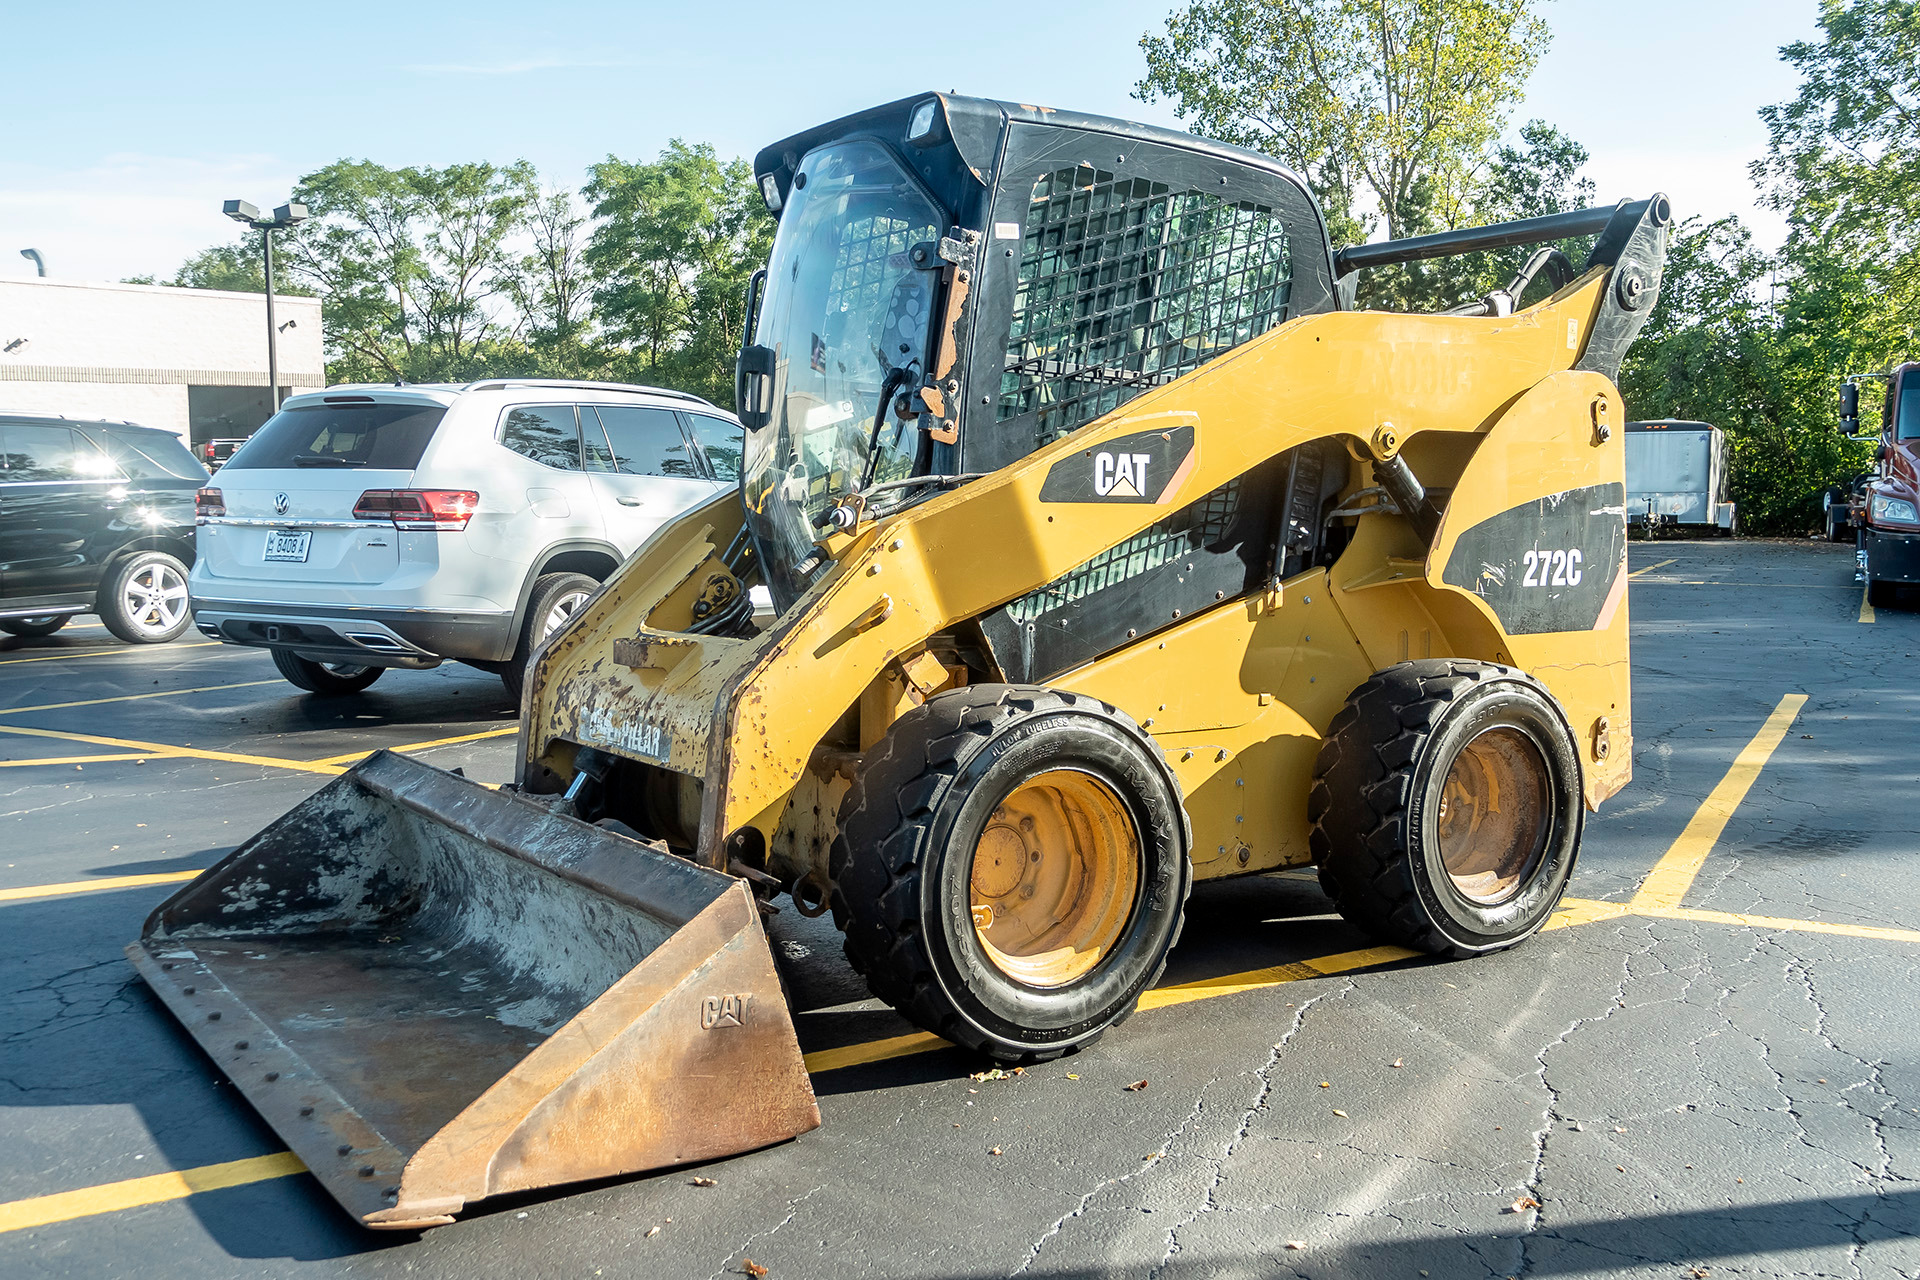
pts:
[1403, 97]
[1758, 344]
[677, 240]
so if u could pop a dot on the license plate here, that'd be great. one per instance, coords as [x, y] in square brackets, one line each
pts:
[287, 544]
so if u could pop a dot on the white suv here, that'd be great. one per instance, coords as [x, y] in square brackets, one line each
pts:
[367, 527]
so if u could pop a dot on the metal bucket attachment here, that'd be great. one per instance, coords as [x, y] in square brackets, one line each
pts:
[438, 993]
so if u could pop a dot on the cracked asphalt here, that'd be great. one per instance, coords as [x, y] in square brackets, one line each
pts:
[1634, 1096]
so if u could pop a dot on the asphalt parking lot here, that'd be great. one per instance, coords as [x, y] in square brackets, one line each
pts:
[1709, 1065]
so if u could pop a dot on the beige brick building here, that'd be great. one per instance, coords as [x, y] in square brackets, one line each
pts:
[193, 361]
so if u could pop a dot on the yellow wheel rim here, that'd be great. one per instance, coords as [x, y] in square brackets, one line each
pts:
[1054, 878]
[1495, 810]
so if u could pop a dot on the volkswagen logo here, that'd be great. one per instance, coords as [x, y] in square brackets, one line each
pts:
[279, 504]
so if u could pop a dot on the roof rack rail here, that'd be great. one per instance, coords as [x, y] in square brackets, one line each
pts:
[578, 384]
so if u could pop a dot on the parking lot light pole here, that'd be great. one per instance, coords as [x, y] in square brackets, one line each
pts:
[287, 215]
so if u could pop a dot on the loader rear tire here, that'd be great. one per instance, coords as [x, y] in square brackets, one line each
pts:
[1012, 869]
[1447, 806]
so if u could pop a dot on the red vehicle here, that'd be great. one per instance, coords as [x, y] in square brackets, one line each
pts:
[214, 453]
[1885, 504]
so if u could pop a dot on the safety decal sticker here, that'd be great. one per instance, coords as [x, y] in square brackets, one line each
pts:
[1147, 466]
[1547, 565]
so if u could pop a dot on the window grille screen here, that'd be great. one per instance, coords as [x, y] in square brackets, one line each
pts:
[1202, 524]
[1126, 284]
[872, 252]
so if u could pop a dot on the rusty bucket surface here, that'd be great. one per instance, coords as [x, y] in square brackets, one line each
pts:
[435, 993]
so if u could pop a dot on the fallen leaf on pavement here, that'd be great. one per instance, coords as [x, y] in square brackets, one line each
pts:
[1337, 1111]
[701, 1182]
[1398, 1063]
[1136, 1086]
[993, 1151]
[652, 1232]
[752, 1268]
[1296, 1244]
[996, 1073]
[1523, 1204]
[1325, 1084]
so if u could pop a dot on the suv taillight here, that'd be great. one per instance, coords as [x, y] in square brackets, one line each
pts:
[209, 502]
[418, 508]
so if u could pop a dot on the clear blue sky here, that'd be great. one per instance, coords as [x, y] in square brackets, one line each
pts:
[127, 124]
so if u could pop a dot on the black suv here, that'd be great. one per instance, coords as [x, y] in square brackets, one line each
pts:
[95, 517]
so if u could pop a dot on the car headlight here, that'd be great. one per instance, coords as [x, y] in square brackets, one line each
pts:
[1894, 509]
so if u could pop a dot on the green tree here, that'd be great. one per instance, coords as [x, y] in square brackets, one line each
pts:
[414, 264]
[1536, 174]
[1402, 97]
[677, 240]
[233, 267]
[1844, 159]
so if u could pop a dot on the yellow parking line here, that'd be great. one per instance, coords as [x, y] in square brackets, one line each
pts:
[1579, 911]
[1673, 875]
[854, 1055]
[93, 886]
[1877, 932]
[22, 764]
[134, 697]
[154, 1189]
[352, 756]
[1650, 568]
[1659, 896]
[157, 749]
[1866, 610]
[1263, 979]
[105, 653]
[114, 1196]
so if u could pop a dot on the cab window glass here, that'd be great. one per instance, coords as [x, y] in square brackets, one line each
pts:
[645, 442]
[41, 454]
[543, 432]
[722, 442]
[1910, 408]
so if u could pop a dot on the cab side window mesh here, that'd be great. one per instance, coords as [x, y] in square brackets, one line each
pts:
[1204, 524]
[1126, 284]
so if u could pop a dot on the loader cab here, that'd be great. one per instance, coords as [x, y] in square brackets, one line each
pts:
[957, 282]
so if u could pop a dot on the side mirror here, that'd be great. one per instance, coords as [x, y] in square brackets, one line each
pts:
[753, 371]
[1849, 407]
[753, 387]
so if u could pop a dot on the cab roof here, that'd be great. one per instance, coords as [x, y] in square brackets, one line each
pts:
[974, 126]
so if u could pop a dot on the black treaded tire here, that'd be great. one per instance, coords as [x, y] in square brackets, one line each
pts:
[1375, 804]
[901, 865]
[1832, 505]
[36, 626]
[327, 680]
[548, 589]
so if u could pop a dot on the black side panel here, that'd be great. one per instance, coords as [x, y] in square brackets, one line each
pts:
[1210, 552]
[1142, 467]
[1549, 564]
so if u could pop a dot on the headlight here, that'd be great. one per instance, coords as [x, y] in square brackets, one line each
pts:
[1894, 509]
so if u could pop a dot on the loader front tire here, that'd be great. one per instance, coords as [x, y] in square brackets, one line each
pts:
[1012, 869]
[1447, 806]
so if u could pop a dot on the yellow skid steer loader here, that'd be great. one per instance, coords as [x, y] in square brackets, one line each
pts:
[1110, 548]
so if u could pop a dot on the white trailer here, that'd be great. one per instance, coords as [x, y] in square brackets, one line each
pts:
[1677, 475]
